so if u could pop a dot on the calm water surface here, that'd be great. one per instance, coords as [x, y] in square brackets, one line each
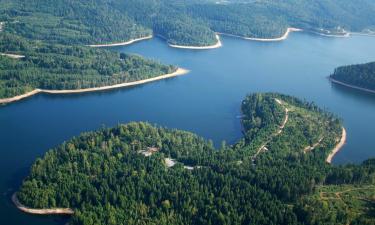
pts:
[206, 101]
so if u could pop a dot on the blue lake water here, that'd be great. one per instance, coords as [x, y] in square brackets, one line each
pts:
[206, 101]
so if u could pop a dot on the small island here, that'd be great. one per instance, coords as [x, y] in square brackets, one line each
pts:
[139, 172]
[360, 76]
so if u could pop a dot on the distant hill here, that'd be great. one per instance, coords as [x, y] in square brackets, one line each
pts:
[179, 21]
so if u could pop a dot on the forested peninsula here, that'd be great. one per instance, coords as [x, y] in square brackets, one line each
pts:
[276, 174]
[53, 67]
[360, 76]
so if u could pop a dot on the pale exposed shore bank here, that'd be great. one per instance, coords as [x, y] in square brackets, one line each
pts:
[178, 72]
[346, 35]
[121, 43]
[337, 147]
[2, 26]
[351, 86]
[13, 56]
[217, 45]
[282, 38]
[53, 211]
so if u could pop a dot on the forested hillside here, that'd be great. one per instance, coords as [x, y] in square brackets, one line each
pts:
[323, 16]
[123, 175]
[362, 76]
[69, 21]
[179, 21]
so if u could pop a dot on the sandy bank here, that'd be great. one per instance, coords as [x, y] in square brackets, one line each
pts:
[351, 86]
[19, 97]
[121, 43]
[217, 45]
[13, 56]
[337, 147]
[178, 72]
[345, 35]
[284, 37]
[54, 211]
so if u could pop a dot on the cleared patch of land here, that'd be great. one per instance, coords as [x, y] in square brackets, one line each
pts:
[353, 200]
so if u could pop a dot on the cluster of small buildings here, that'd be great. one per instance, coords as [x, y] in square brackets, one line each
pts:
[149, 151]
[169, 162]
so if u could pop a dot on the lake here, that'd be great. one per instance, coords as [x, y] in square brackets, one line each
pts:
[205, 101]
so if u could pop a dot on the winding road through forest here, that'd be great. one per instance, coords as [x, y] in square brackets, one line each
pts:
[263, 148]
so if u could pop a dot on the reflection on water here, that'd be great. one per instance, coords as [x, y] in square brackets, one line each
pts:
[356, 94]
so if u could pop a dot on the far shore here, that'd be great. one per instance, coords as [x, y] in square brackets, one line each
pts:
[337, 147]
[282, 38]
[178, 72]
[351, 86]
[52, 211]
[121, 43]
[217, 45]
[344, 35]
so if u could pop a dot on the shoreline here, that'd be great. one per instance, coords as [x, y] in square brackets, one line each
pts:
[13, 56]
[345, 35]
[337, 147]
[351, 86]
[282, 38]
[362, 34]
[121, 43]
[178, 72]
[2, 26]
[52, 211]
[217, 45]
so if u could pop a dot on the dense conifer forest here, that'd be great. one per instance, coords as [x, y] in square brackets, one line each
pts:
[362, 75]
[123, 175]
